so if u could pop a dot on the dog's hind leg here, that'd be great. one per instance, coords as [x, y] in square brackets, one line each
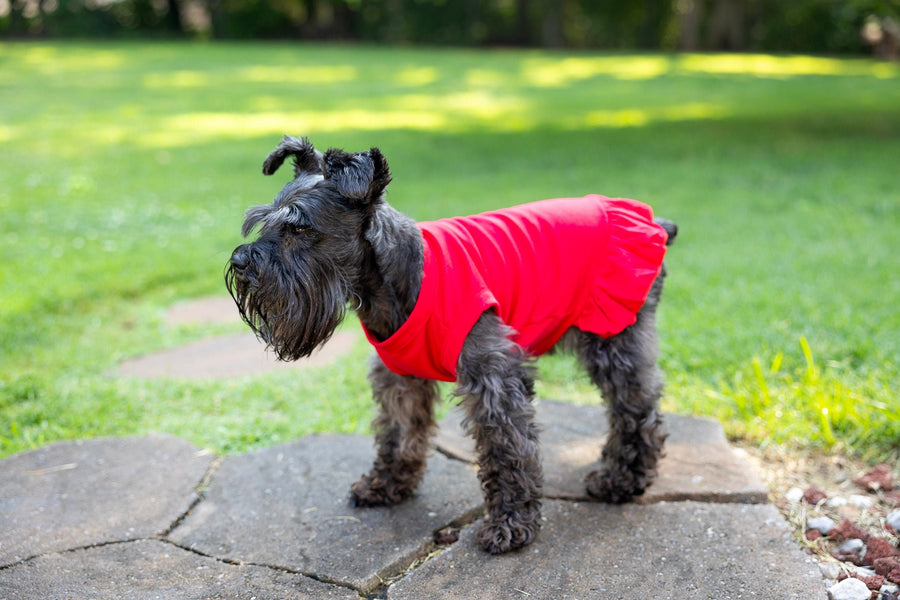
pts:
[403, 426]
[624, 368]
[496, 383]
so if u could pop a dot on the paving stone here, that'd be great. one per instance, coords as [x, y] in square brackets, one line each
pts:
[151, 569]
[683, 550]
[206, 310]
[287, 506]
[226, 356]
[698, 465]
[89, 520]
[74, 494]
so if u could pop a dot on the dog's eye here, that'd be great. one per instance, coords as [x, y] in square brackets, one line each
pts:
[300, 229]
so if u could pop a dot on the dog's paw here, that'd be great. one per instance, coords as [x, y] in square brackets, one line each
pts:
[603, 486]
[507, 534]
[374, 491]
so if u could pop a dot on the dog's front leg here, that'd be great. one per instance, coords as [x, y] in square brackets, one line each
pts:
[497, 386]
[403, 426]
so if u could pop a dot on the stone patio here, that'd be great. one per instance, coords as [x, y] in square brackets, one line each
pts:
[156, 517]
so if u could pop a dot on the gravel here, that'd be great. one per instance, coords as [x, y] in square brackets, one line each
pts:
[852, 545]
[844, 514]
[824, 525]
[849, 589]
[893, 519]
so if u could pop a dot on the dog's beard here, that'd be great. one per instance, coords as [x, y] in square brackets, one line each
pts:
[293, 315]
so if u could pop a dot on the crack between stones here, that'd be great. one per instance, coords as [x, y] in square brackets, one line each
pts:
[738, 498]
[204, 481]
[200, 490]
[386, 577]
[376, 590]
[236, 562]
[70, 550]
[84, 548]
[710, 498]
[403, 567]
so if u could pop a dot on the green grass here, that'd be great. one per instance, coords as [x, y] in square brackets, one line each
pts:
[126, 168]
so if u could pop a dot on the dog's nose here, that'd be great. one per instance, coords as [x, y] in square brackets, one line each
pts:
[240, 258]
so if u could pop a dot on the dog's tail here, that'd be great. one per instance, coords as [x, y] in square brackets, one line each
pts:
[670, 227]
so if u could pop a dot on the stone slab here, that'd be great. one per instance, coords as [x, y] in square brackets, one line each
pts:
[74, 494]
[684, 551]
[698, 464]
[287, 506]
[229, 355]
[149, 569]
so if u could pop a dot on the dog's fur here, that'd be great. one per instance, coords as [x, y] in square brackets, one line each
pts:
[328, 240]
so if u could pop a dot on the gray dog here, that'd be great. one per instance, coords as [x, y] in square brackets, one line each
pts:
[470, 300]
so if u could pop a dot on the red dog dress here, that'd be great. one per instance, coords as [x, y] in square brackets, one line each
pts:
[543, 267]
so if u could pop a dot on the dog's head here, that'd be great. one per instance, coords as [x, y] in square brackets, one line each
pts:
[292, 283]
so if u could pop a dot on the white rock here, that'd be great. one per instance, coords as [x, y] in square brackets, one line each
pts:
[836, 502]
[852, 545]
[893, 519]
[849, 589]
[859, 501]
[862, 571]
[794, 495]
[830, 570]
[823, 524]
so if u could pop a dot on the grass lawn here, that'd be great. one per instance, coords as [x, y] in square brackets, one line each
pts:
[126, 169]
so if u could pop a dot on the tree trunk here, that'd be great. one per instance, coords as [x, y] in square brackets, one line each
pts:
[690, 13]
[173, 21]
[523, 24]
[552, 31]
[726, 27]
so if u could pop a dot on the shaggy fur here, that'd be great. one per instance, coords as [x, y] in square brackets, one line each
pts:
[328, 240]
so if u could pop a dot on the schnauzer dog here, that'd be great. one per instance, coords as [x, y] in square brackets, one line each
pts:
[471, 300]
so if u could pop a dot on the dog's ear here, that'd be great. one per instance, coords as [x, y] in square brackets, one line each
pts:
[361, 176]
[307, 160]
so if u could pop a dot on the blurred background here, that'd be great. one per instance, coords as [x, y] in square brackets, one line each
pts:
[132, 134]
[821, 26]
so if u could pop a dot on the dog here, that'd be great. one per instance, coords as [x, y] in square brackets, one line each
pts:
[464, 300]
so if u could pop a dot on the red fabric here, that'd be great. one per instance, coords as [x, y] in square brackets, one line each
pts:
[544, 267]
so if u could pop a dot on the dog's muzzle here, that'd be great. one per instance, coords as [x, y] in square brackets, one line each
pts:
[240, 258]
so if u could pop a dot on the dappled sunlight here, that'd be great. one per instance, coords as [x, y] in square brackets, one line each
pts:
[132, 99]
[550, 72]
[48, 60]
[176, 79]
[467, 111]
[416, 76]
[487, 78]
[765, 65]
[193, 128]
[465, 105]
[303, 75]
[637, 117]
[306, 74]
